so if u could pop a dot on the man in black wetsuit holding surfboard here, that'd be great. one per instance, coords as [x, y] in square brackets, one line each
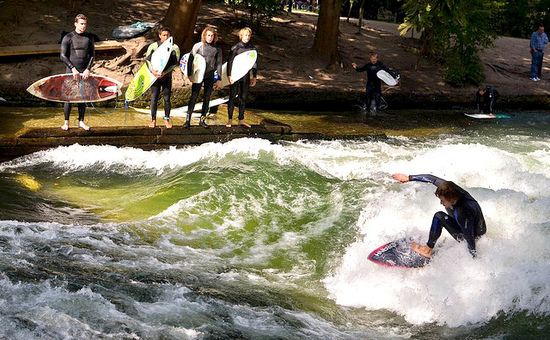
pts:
[213, 56]
[164, 78]
[238, 90]
[463, 220]
[374, 86]
[77, 52]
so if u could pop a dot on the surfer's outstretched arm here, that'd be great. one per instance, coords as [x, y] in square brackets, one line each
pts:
[403, 178]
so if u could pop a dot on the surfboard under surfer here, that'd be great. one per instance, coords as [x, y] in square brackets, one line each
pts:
[463, 218]
[77, 52]
[374, 85]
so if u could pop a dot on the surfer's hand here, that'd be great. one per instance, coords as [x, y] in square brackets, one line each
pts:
[218, 84]
[253, 82]
[86, 74]
[354, 65]
[401, 178]
[76, 74]
[230, 80]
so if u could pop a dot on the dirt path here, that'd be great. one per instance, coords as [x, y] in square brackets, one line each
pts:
[287, 71]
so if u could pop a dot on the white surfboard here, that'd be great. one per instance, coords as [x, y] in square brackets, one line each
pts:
[182, 111]
[160, 56]
[488, 115]
[144, 78]
[242, 64]
[386, 78]
[199, 67]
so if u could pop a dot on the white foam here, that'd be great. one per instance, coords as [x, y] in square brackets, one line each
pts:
[512, 270]
[510, 274]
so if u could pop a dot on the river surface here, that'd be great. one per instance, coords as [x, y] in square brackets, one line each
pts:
[254, 240]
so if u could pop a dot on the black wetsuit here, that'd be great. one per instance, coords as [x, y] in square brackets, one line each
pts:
[165, 82]
[77, 51]
[489, 100]
[464, 220]
[374, 85]
[238, 91]
[213, 57]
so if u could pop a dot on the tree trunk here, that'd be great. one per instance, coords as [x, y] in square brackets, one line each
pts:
[361, 10]
[181, 17]
[325, 45]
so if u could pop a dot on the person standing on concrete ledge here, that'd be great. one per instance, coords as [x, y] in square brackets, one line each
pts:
[77, 52]
[164, 79]
[212, 54]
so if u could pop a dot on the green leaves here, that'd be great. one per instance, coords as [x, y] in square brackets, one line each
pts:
[454, 31]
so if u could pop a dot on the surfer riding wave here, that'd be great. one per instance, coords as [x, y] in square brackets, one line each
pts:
[463, 218]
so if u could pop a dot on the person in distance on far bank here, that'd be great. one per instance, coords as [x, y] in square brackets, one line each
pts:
[538, 42]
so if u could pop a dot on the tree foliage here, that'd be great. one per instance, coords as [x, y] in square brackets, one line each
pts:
[372, 9]
[455, 31]
[257, 10]
[519, 18]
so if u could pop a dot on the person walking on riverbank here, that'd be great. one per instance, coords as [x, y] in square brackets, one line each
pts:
[213, 57]
[374, 85]
[537, 45]
[164, 79]
[77, 52]
[238, 90]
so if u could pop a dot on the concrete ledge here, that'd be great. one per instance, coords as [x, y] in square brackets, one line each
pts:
[30, 140]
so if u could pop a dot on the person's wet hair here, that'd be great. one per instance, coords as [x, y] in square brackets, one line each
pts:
[449, 191]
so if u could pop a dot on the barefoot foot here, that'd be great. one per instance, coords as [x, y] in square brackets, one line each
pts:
[82, 125]
[242, 123]
[422, 250]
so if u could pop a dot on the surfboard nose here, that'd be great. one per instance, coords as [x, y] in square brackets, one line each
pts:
[113, 89]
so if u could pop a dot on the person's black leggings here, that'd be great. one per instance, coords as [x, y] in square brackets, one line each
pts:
[238, 92]
[208, 82]
[81, 111]
[166, 84]
[443, 221]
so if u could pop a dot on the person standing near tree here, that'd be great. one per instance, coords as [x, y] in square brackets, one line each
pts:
[77, 52]
[537, 45]
[238, 90]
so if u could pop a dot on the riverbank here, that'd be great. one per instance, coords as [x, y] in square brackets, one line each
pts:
[289, 77]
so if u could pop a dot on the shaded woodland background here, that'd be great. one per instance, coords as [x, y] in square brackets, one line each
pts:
[289, 73]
